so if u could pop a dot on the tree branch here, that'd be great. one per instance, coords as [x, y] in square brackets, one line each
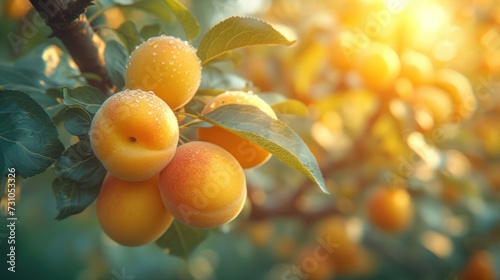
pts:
[69, 24]
[289, 208]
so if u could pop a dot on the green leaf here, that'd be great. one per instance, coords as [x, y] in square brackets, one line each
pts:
[154, 7]
[116, 57]
[215, 81]
[29, 140]
[151, 30]
[272, 98]
[10, 75]
[181, 240]
[55, 112]
[53, 63]
[71, 197]
[79, 177]
[238, 32]
[78, 163]
[187, 20]
[273, 135]
[77, 120]
[38, 94]
[291, 107]
[90, 98]
[129, 35]
[234, 57]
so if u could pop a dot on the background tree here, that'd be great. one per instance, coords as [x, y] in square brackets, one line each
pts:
[385, 146]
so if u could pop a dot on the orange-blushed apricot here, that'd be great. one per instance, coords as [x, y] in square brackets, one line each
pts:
[134, 134]
[247, 153]
[480, 265]
[203, 186]
[390, 209]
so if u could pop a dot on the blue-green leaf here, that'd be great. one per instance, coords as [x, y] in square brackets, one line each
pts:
[273, 135]
[29, 140]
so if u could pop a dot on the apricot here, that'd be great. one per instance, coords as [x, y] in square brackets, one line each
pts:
[203, 186]
[378, 65]
[134, 134]
[390, 209]
[315, 263]
[166, 65]
[342, 50]
[480, 265]
[247, 153]
[435, 102]
[346, 255]
[17, 9]
[132, 213]
[417, 67]
[460, 90]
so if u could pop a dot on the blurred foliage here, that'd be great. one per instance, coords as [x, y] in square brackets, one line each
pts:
[396, 93]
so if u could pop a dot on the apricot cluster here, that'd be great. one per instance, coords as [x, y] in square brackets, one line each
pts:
[151, 181]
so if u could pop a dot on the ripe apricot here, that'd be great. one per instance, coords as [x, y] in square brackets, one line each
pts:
[480, 265]
[247, 153]
[460, 90]
[203, 186]
[132, 213]
[378, 65]
[435, 102]
[134, 134]
[342, 50]
[166, 65]
[390, 209]
[417, 67]
[315, 263]
[17, 9]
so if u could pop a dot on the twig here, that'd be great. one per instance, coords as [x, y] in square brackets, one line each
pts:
[289, 208]
[69, 24]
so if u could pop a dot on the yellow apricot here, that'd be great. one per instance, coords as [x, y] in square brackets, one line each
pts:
[435, 102]
[460, 90]
[390, 209]
[203, 186]
[134, 134]
[247, 153]
[166, 65]
[17, 9]
[378, 65]
[417, 67]
[132, 213]
[342, 50]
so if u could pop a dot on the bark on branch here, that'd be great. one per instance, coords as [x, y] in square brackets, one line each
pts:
[69, 24]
